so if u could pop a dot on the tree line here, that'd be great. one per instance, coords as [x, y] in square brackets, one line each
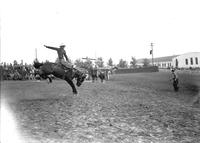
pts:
[99, 62]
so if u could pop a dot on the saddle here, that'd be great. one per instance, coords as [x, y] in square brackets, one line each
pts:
[72, 70]
[63, 67]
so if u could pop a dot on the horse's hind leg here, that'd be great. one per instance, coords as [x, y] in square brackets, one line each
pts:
[70, 82]
[49, 79]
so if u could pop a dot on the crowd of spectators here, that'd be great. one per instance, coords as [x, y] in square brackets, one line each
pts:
[16, 71]
[21, 71]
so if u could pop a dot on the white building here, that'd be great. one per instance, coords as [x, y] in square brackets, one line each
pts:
[161, 62]
[164, 62]
[187, 60]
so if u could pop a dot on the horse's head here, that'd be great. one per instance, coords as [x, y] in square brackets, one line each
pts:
[80, 77]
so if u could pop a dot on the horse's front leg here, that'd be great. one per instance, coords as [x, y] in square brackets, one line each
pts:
[70, 82]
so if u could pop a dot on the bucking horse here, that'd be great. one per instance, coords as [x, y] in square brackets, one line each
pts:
[48, 68]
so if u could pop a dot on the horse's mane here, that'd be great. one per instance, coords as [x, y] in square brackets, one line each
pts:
[83, 70]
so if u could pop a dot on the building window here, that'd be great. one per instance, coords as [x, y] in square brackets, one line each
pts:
[186, 61]
[164, 65]
[169, 65]
[191, 61]
[196, 59]
[176, 63]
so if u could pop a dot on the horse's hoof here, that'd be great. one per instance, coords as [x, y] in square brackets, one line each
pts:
[75, 94]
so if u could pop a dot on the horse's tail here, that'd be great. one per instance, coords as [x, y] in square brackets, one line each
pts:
[37, 64]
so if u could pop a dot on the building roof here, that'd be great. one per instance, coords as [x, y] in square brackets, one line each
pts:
[165, 59]
[159, 59]
[189, 54]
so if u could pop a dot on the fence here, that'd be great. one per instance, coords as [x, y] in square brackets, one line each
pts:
[137, 70]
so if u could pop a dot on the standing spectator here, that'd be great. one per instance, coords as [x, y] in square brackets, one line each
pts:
[175, 79]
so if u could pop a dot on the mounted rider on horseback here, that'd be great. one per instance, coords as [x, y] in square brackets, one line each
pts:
[63, 69]
[61, 55]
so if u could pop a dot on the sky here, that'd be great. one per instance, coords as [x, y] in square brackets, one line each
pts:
[117, 29]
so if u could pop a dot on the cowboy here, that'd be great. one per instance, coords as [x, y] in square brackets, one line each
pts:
[61, 54]
[175, 79]
[174, 75]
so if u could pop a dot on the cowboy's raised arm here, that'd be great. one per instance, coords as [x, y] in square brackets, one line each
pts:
[53, 48]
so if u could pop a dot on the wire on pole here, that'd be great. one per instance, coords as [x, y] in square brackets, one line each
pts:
[152, 44]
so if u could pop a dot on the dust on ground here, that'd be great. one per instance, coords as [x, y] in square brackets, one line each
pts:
[126, 109]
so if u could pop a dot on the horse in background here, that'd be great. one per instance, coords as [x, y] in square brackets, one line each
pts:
[101, 72]
[94, 74]
[104, 73]
[48, 68]
[102, 76]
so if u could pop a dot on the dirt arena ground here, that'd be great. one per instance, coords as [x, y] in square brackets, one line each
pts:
[129, 108]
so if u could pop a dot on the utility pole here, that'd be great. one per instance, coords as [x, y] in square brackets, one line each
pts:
[36, 53]
[151, 52]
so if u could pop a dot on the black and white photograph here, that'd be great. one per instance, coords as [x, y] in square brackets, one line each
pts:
[100, 71]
